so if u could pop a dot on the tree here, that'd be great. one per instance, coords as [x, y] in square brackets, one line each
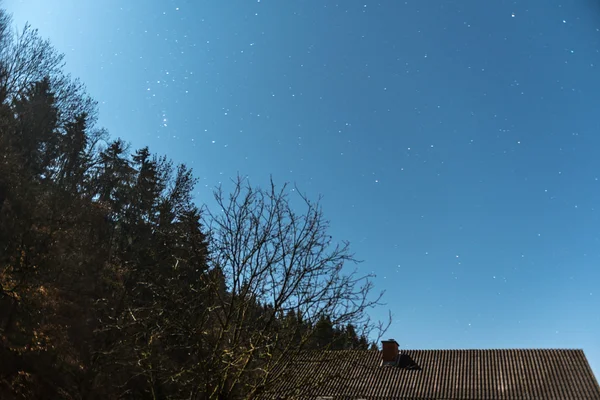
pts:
[26, 58]
[269, 254]
[114, 284]
[36, 121]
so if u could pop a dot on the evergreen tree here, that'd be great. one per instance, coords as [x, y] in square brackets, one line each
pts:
[115, 284]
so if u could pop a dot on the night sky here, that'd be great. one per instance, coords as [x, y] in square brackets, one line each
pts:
[455, 143]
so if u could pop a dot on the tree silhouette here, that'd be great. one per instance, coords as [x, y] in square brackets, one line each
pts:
[115, 284]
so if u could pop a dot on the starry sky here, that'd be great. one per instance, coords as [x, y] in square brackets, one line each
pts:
[455, 143]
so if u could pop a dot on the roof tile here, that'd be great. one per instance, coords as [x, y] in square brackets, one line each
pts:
[539, 374]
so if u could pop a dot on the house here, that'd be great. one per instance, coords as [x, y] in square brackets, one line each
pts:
[544, 374]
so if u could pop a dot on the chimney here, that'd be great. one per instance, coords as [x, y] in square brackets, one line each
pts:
[389, 351]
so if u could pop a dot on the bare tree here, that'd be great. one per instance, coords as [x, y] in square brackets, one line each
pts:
[283, 274]
[26, 58]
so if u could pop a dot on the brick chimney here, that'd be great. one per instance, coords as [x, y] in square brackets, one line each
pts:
[389, 351]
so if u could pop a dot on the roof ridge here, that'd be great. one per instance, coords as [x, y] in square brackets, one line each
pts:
[463, 349]
[500, 349]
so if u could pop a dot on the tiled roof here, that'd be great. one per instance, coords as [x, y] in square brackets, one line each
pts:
[439, 374]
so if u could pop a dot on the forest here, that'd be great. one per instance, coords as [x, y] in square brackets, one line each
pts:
[116, 284]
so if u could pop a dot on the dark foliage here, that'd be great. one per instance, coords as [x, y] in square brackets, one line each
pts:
[114, 284]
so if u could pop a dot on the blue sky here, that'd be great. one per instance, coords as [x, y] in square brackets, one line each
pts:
[455, 142]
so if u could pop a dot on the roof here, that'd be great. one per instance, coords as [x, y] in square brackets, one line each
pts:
[546, 374]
